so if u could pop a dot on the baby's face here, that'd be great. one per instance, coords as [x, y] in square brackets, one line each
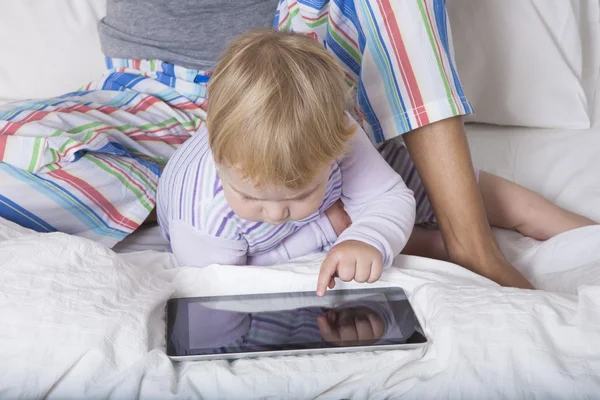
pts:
[272, 205]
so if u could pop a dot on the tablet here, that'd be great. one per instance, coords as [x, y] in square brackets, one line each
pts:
[278, 324]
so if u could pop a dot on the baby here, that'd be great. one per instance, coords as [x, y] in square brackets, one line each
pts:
[281, 170]
[260, 184]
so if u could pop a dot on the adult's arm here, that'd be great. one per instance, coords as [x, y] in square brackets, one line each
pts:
[441, 155]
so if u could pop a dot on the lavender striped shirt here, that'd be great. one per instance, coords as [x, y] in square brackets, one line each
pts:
[194, 215]
[191, 186]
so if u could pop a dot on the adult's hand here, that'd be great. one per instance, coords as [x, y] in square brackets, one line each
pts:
[441, 155]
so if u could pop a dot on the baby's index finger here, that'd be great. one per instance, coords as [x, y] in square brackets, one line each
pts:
[327, 272]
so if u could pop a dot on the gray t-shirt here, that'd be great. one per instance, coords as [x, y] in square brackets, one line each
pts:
[190, 33]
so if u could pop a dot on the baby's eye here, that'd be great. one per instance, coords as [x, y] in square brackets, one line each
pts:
[245, 198]
[302, 198]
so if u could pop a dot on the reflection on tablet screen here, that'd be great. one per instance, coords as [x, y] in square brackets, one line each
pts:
[246, 325]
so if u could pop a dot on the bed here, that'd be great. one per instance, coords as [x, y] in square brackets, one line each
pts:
[81, 320]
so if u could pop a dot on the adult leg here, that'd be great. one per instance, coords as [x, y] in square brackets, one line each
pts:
[442, 157]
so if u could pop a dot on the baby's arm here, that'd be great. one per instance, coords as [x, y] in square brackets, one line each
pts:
[381, 207]
[194, 248]
[308, 239]
[382, 210]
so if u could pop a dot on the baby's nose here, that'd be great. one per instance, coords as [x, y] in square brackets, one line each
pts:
[277, 213]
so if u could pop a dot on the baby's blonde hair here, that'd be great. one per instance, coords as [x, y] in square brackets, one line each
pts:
[276, 108]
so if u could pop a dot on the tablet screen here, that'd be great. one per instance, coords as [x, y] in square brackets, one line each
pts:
[290, 321]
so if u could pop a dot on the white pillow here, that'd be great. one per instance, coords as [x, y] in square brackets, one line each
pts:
[48, 47]
[528, 62]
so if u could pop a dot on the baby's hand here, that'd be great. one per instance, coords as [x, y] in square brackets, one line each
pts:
[338, 217]
[350, 260]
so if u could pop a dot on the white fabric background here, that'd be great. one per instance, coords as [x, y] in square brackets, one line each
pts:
[528, 62]
[49, 47]
[80, 321]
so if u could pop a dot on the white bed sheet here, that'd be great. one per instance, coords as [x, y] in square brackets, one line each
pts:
[82, 321]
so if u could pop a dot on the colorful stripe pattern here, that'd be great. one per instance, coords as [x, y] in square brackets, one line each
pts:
[87, 163]
[396, 54]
